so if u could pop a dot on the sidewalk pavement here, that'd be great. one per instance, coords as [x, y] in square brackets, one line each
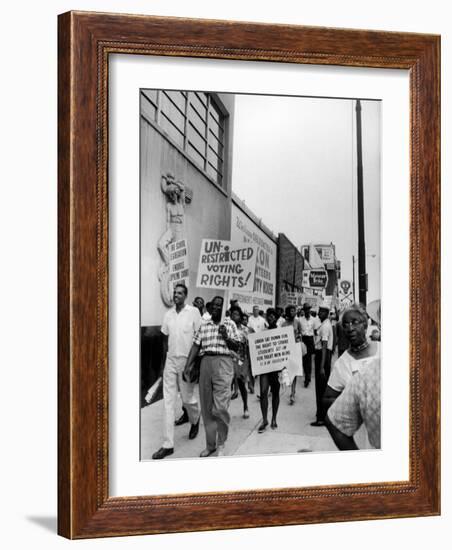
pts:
[293, 435]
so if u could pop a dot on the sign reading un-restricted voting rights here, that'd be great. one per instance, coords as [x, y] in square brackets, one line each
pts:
[224, 265]
[272, 350]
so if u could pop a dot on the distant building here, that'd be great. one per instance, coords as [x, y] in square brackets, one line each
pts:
[327, 255]
[290, 270]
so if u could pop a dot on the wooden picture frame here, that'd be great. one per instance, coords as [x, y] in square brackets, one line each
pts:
[86, 40]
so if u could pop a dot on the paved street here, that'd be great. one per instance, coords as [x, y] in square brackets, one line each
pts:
[294, 433]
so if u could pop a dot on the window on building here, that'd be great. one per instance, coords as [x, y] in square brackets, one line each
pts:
[194, 121]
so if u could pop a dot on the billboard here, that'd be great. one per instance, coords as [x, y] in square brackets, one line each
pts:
[326, 253]
[245, 231]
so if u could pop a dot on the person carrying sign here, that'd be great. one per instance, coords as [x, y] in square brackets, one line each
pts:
[214, 342]
[269, 380]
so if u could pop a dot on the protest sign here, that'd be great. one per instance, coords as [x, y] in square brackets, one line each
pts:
[178, 264]
[274, 349]
[292, 299]
[223, 265]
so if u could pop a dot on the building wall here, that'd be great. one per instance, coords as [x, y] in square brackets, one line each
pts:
[290, 267]
[208, 215]
[245, 228]
[331, 287]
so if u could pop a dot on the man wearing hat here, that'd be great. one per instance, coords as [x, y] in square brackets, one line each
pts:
[308, 326]
[323, 351]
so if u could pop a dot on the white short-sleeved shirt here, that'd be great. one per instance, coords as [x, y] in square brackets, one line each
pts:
[257, 323]
[308, 325]
[346, 366]
[325, 334]
[180, 329]
[317, 324]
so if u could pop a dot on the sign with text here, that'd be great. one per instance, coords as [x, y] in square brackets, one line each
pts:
[223, 265]
[326, 252]
[296, 299]
[245, 231]
[178, 264]
[315, 278]
[274, 349]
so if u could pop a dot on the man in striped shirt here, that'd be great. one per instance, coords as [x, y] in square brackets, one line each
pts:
[213, 343]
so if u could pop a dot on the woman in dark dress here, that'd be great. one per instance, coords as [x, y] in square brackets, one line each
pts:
[240, 358]
[269, 380]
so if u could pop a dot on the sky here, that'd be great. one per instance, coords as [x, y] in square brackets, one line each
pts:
[294, 165]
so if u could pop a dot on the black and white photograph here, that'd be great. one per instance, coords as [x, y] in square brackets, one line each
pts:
[260, 274]
[217, 217]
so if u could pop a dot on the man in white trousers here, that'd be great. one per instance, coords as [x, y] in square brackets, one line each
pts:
[179, 326]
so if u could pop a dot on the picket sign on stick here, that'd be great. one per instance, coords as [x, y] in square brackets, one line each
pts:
[225, 265]
[179, 270]
[274, 349]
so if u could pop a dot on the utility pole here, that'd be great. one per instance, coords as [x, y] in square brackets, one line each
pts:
[362, 275]
[354, 297]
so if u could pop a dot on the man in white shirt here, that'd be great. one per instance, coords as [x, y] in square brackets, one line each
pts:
[323, 351]
[256, 322]
[180, 324]
[308, 325]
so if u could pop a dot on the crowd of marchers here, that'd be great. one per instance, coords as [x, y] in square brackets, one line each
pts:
[204, 348]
